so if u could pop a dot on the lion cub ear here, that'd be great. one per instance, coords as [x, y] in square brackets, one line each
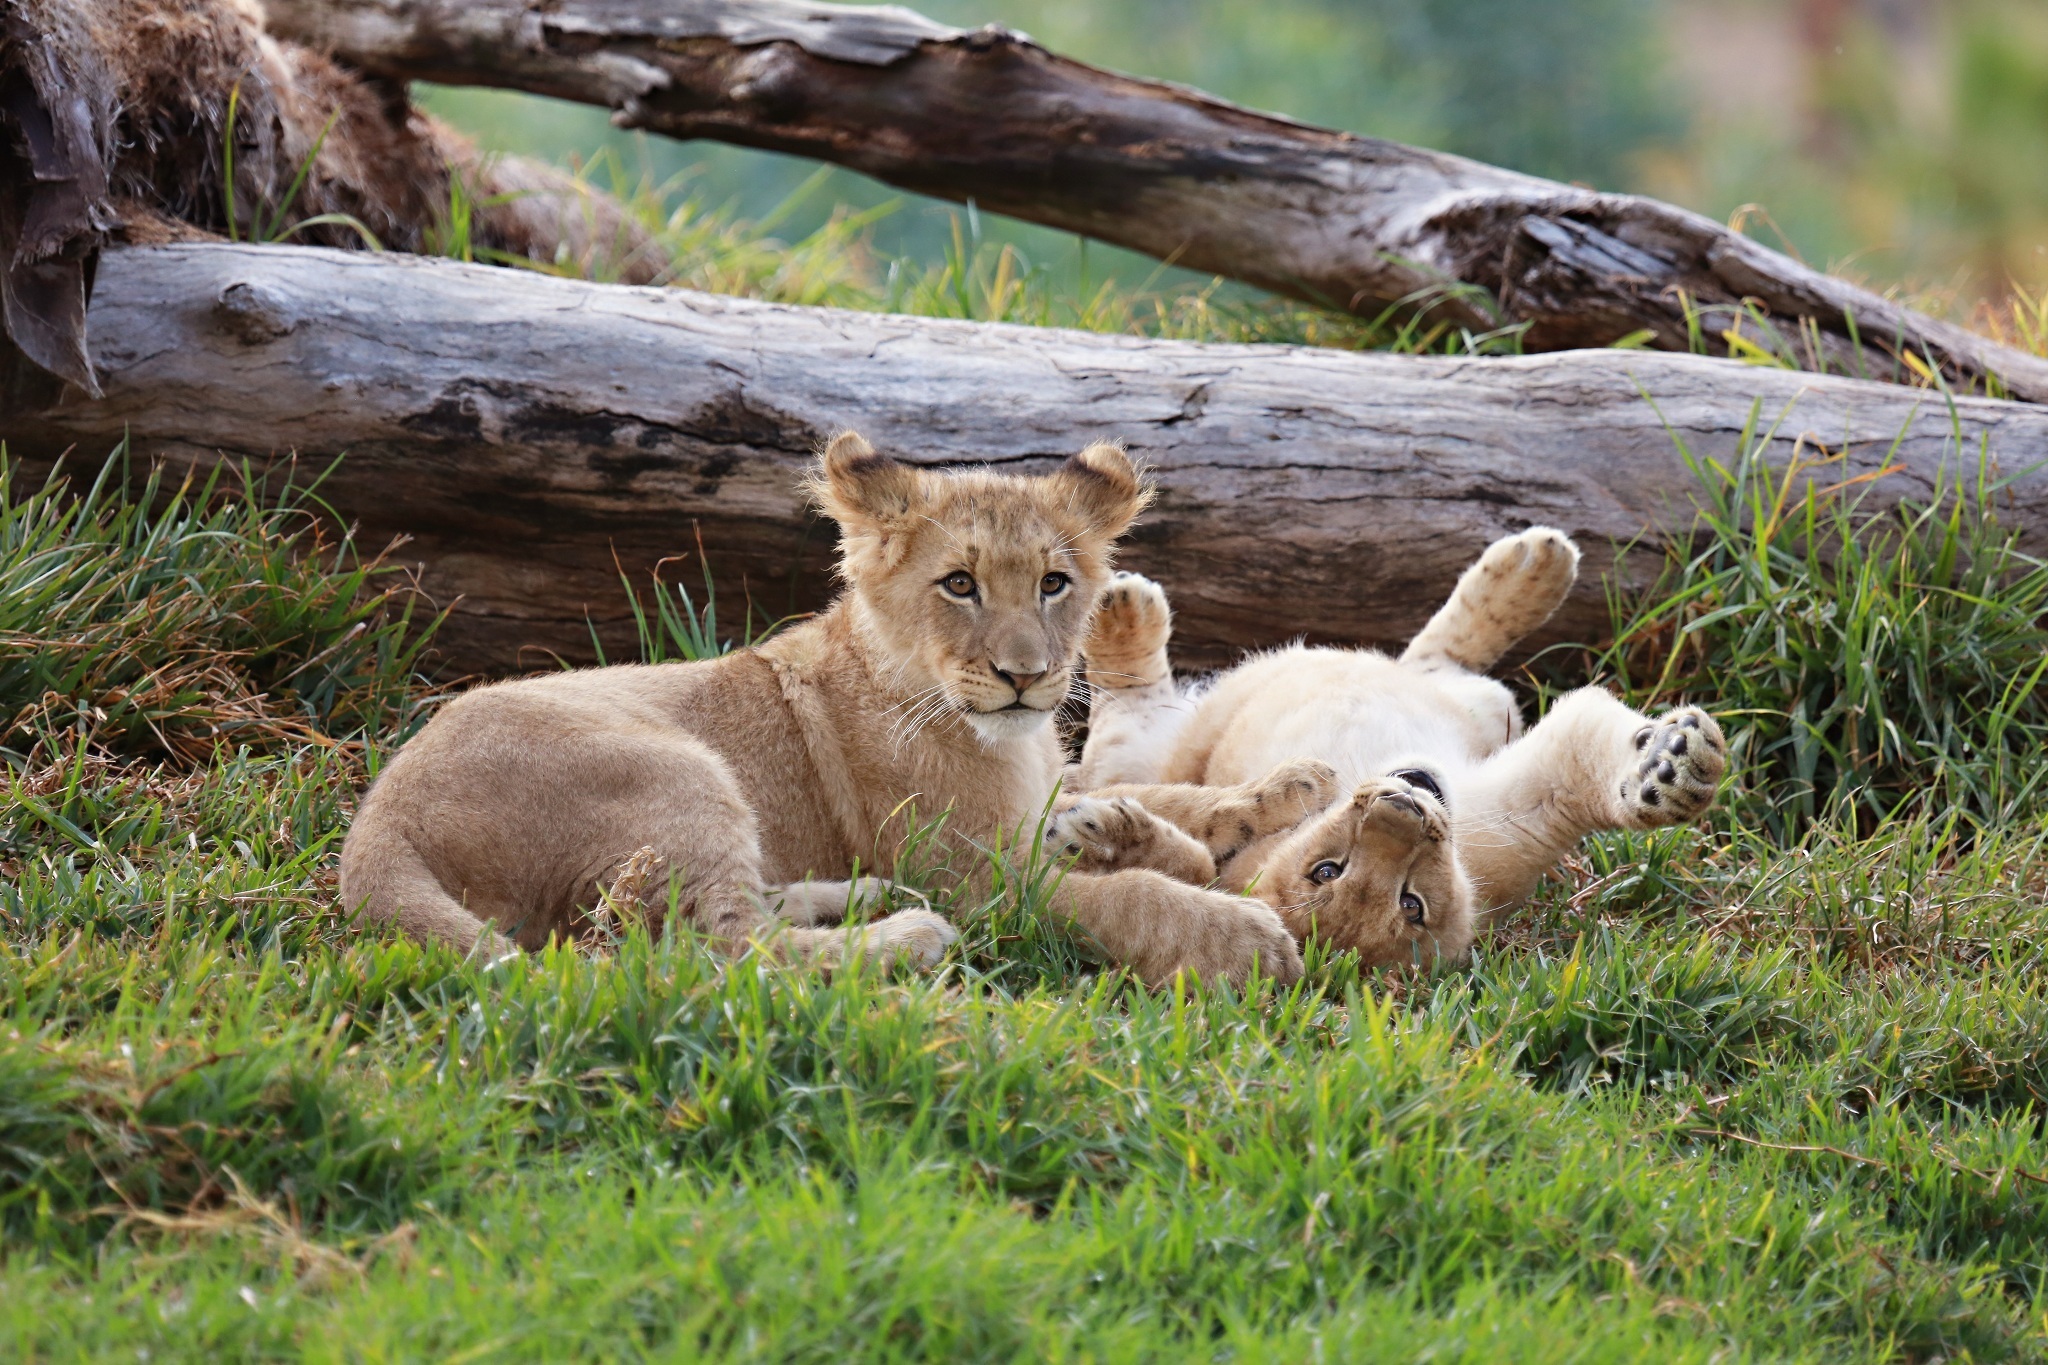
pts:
[858, 488]
[1104, 488]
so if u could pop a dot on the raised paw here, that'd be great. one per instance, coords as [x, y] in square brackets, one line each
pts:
[1541, 563]
[1513, 588]
[1678, 760]
[1109, 834]
[1128, 635]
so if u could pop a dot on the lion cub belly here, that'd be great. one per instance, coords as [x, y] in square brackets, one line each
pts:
[1356, 710]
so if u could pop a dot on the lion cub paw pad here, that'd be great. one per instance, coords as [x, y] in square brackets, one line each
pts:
[1540, 557]
[1128, 637]
[1681, 759]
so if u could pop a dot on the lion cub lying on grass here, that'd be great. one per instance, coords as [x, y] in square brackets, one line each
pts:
[1453, 814]
[934, 677]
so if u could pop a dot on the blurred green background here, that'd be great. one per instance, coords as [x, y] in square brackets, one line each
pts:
[1901, 142]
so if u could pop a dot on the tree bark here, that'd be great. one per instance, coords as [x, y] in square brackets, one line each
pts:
[538, 436]
[1350, 222]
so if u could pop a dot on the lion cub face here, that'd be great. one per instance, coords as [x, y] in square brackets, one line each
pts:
[977, 586]
[1378, 874]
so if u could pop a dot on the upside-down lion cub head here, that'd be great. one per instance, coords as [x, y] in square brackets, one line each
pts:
[1377, 873]
[977, 586]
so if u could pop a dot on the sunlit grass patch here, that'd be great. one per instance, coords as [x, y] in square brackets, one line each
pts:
[176, 618]
[712, 248]
[1863, 661]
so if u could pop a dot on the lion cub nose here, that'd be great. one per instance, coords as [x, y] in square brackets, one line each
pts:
[1019, 678]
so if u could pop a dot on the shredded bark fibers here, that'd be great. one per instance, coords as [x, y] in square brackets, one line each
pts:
[115, 126]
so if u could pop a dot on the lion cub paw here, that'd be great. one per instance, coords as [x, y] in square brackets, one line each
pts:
[918, 937]
[1680, 759]
[1128, 635]
[1113, 833]
[1532, 571]
[1289, 794]
[1253, 939]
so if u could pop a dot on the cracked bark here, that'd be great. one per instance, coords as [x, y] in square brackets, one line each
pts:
[1352, 222]
[535, 436]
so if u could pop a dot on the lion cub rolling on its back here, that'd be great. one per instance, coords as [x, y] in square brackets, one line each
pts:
[746, 778]
[1453, 815]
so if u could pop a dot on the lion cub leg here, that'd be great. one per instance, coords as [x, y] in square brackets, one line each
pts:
[699, 852]
[1513, 588]
[1136, 711]
[1160, 927]
[1591, 763]
[1227, 820]
[1109, 834]
[812, 903]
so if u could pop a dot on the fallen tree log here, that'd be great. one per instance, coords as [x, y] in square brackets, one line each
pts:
[1350, 222]
[536, 436]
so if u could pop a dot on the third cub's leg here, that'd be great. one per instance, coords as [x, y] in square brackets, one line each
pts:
[1590, 764]
[1109, 834]
[1185, 831]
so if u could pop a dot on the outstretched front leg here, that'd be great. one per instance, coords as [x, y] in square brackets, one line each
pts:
[1160, 927]
[1227, 820]
[1592, 763]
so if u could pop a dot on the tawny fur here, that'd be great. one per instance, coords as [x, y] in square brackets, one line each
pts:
[1452, 804]
[928, 686]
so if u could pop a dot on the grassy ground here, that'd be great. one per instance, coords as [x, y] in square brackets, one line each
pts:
[1770, 1088]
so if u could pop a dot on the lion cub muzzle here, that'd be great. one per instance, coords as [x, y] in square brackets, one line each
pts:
[1378, 874]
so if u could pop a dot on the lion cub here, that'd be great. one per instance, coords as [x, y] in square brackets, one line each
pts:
[1454, 815]
[746, 787]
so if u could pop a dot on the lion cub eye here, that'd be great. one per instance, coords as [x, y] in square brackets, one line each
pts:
[1053, 584]
[1411, 905]
[959, 584]
[1325, 871]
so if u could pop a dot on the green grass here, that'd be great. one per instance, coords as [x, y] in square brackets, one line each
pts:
[1770, 1088]
[1873, 663]
[714, 249]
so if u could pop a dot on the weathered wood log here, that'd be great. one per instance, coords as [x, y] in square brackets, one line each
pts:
[1351, 222]
[535, 436]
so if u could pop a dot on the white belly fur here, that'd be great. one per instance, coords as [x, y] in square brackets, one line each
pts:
[1357, 710]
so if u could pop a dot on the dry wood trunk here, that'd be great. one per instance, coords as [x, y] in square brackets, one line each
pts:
[1352, 222]
[535, 436]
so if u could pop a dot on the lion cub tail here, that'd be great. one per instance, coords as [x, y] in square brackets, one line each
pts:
[1512, 589]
